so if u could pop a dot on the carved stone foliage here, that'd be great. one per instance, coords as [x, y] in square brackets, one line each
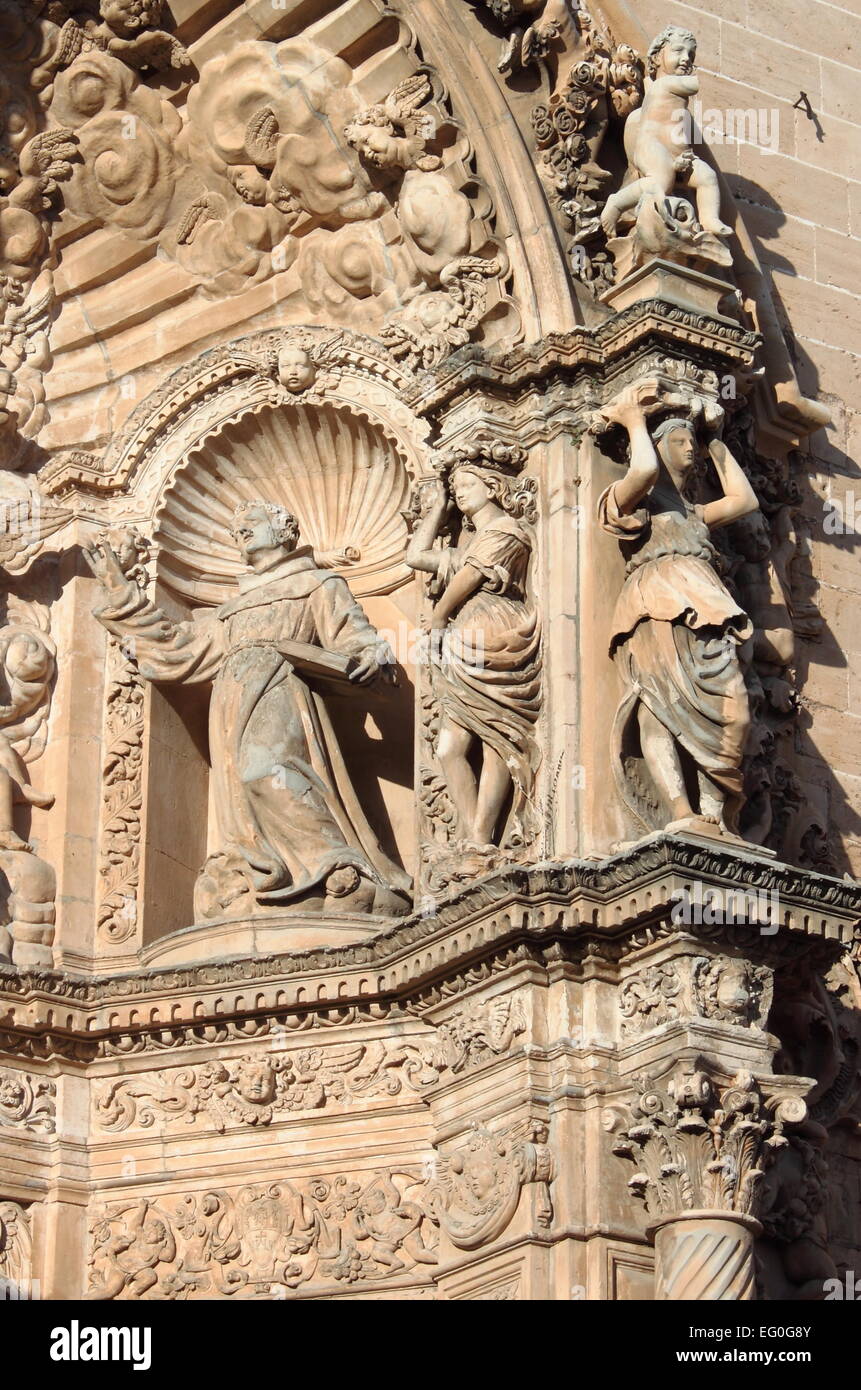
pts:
[472, 533]
[27, 1102]
[259, 1087]
[479, 1185]
[703, 1145]
[122, 773]
[16, 1247]
[603, 84]
[478, 1033]
[122, 769]
[265, 1241]
[650, 998]
[725, 989]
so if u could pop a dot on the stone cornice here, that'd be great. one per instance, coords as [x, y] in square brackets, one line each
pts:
[585, 352]
[576, 911]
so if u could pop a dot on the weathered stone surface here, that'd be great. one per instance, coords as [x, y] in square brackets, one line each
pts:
[430, 805]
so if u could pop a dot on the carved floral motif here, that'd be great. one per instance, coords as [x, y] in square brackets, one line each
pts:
[254, 1089]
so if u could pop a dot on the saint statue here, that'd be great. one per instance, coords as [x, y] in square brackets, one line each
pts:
[681, 728]
[291, 831]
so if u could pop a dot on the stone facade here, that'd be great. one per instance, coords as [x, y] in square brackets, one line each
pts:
[428, 817]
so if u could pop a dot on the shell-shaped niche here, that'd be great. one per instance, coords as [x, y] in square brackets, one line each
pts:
[343, 479]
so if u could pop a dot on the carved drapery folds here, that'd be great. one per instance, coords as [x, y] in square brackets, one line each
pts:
[16, 1251]
[676, 630]
[398, 446]
[483, 685]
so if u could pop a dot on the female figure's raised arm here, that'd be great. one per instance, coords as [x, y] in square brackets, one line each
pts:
[644, 465]
[433, 500]
[739, 498]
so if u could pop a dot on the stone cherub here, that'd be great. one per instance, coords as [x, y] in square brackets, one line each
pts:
[291, 831]
[658, 138]
[681, 727]
[26, 672]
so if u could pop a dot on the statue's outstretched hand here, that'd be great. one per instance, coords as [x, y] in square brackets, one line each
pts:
[104, 564]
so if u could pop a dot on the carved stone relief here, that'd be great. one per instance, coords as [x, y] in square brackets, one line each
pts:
[257, 1088]
[676, 631]
[478, 1190]
[16, 1249]
[722, 988]
[264, 1241]
[292, 833]
[27, 1102]
[484, 646]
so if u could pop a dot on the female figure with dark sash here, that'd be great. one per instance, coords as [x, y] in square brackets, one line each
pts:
[680, 729]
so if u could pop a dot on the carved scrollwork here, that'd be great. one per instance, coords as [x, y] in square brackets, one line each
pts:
[27, 1102]
[479, 1187]
[264, 1240]
[257, 1088]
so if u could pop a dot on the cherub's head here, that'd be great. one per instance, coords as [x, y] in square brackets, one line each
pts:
[127, 17]
[260, 528]
[674, 50]
[296, 370]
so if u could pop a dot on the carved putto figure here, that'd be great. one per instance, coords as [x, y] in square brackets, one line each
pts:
[680, 730]
[291, 831]
[658, 143]
[485, 642]
[26, 671]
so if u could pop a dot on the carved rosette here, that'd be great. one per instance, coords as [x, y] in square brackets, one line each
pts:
[703, 1148]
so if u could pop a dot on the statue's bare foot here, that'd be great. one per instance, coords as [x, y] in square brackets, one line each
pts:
[717, 228]
[9, 840]
[694, 825]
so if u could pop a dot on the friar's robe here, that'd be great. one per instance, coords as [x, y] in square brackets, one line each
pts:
[286, 811]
